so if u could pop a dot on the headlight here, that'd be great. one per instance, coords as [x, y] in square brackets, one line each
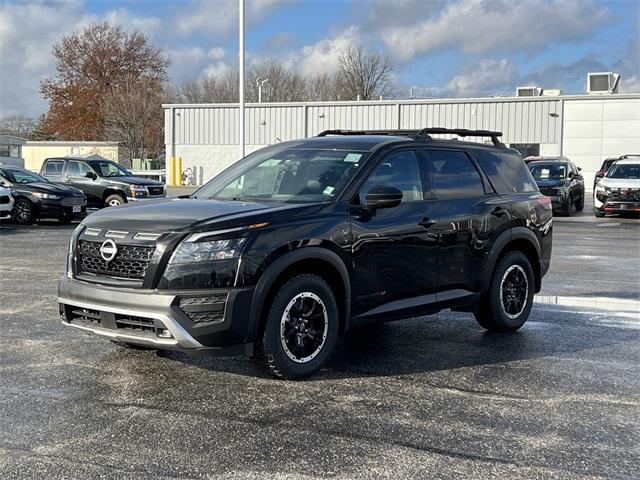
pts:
[46, 196]
[190, 252]
[71, 255]
[138, 190]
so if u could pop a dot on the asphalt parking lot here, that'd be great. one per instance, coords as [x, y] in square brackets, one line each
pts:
[431, 397]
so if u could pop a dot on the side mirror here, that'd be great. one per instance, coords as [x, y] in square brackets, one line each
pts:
[382, 197]
[91, 175]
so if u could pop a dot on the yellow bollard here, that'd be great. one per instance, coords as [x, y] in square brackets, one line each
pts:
[179, 171]
[172, 169]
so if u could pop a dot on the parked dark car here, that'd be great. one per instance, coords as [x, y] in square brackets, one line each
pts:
[560, 179]
[104, 182]
[35, 197]
[298, 242]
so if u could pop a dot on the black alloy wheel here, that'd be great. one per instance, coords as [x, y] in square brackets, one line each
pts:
[24, 212]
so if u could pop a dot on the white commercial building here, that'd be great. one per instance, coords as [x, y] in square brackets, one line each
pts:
[585, 128]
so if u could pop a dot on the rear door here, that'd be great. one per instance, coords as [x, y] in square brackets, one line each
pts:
[52, 170]
[470, 215]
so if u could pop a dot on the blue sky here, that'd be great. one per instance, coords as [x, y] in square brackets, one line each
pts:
[445, 48]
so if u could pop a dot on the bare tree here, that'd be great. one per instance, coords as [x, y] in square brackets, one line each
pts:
[365, 74]
[17, 125]
[284, 85]
[132, 113]
[322, 88]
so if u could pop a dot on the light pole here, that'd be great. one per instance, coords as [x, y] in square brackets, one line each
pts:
[260, 82]
[241, 86]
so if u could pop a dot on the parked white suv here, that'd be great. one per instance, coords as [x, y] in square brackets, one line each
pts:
[619, 189]
[6, 202]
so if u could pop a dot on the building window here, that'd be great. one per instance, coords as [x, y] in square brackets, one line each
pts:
[527, 149]
[12, 151]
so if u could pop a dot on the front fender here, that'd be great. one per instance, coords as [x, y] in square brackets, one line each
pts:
[271, 273]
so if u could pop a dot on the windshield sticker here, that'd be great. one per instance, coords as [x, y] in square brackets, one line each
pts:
[352, 157]
[328, 190]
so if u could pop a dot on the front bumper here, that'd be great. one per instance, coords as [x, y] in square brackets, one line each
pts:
[155, 319]
[619, 207]
[144, 199]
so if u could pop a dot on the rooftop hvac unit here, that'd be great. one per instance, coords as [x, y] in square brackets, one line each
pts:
[602, 82]
[528, 91]
[551, 92]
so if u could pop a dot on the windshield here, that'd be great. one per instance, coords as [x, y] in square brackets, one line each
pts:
[290, 175]
[22, 176]
[624, 170]
[548, 171]
[109, 169]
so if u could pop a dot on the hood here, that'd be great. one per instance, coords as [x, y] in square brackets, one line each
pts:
[43, 187]
[186, 214]
[134, 181]
[620, 182]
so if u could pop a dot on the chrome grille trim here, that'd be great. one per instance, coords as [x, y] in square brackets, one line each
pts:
[146, 236]
[92, 232]
[116, 234]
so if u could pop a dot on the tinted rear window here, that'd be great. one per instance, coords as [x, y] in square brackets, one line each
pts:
[508, 172]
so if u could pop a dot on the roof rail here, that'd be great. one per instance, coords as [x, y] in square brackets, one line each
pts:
[424, 133]
[400, 133]
[463, 132]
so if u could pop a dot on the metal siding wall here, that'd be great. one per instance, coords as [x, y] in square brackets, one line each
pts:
[520, 121]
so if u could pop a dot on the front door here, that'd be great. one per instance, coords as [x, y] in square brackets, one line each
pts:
[394, 252]
[76, 176]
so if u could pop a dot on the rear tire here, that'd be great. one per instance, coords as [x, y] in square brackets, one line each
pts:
[114, 200]
[24, 212]
[507, 304]
[301, 327]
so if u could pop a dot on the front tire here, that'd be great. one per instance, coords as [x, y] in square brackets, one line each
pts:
[24, 212]
[580, 204]
[301, 327]
[598, 213]
[507, 304]
[114, 200]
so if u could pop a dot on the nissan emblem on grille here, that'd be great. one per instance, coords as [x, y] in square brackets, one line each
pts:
[108, 250]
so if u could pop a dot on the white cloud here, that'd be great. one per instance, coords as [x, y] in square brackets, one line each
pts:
[481, 26]
[150, 26]
[480, 78]
[322, 57]
[219, 17]
[192, 62]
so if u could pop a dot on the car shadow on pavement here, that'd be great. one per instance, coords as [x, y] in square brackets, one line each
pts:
[432, 344]
[8, 227]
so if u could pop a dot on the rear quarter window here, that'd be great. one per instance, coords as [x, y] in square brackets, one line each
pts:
[508, 172]
[53, 168]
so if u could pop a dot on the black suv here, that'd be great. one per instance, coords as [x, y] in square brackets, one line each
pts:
[298, 242]
[104, 182]
[560, 179]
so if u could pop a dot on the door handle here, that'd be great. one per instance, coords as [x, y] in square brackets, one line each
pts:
[426, 222]
[498, 211]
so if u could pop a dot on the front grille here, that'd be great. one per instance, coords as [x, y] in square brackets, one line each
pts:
[131, 261]
[71, 201]
[139, 324]
[4, 199]
[625, 195]
[156, 190]
[548, 191]
[86, 315]
[203, 309]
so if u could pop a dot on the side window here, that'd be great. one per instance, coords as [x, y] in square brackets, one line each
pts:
[399, 170]
[507, 172]
[53, 168]
[453, 174]
[78, 169]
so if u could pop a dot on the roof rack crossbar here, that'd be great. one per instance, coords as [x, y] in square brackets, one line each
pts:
[463, 132]
[424, 133]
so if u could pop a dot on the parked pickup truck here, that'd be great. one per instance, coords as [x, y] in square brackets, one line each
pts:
[104, 182]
